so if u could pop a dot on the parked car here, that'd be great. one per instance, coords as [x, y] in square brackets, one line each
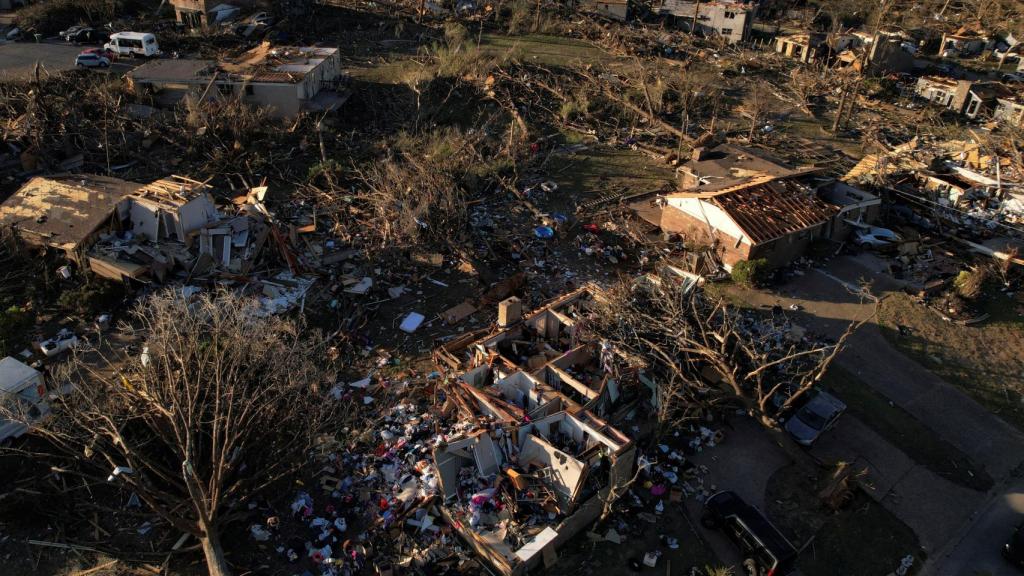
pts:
[814, 418]
[133, 44]
[80, 35]
[64, 340]
[1013, 550]
[104, 52]
[766, 552]
[64, 34]
[875, 237]
[262, 19]
[92, 60]
[1013, 77]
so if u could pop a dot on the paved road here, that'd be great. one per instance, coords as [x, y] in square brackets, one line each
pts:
[17, 59]
[955, 524]
[979, 550]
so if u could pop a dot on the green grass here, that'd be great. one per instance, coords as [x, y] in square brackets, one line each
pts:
[544, 49]
[600, 170]
[905, 432]
[983, 360]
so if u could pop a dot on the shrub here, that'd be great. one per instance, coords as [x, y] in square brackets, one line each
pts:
[91, 299]
[52, 16]
[750, 272]
[971, 283]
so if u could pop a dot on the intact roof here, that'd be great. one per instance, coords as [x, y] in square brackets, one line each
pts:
[62, 211]
[771, 210]
[13, 372]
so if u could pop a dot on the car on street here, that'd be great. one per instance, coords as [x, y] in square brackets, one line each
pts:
[766, 552]
[92, 60]
[814, 418]
[108, 54]
[80, 35]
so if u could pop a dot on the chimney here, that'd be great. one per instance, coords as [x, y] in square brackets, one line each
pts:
[510, 311]
[697, 154]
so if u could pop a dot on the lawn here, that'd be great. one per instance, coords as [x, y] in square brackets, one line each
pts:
[545, 50]
[602, 171]
[861, 539]
[905, 432]
[984, 360]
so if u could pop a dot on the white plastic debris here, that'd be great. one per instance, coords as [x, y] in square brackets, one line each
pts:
[412, 322]
[259, 533]
[118, 470]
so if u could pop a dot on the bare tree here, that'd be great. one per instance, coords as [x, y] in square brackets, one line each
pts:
[756, 105]
[223, 404]
[692, 339]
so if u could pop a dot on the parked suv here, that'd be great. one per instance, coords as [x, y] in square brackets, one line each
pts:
[766, 552]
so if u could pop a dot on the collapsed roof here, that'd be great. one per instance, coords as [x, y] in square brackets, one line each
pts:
[64, 211]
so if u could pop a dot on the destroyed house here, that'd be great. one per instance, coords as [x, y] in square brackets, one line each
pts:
[806, 47]
[614, 9]
[173, 224]
[65, 212]
[286, 80]
[730, 20]
[746, 206]
[966, 41]
[528, 464]
[970, 98]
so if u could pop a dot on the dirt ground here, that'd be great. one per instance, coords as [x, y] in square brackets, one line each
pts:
[861, 539]
[984, 360]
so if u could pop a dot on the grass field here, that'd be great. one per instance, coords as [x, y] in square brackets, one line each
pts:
[985, 360]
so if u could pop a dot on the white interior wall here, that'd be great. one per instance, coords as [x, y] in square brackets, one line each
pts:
[710, 214]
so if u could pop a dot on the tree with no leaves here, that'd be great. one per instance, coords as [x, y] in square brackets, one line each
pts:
[223, 404]
[757, 104]
[683, 335]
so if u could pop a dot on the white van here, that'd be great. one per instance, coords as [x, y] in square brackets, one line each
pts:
[22, 398]
[133, 44]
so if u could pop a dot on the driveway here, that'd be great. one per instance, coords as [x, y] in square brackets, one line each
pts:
[743, 463]
[978, 552]
[947, 518]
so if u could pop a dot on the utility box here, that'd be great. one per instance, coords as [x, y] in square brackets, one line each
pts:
[510, 311]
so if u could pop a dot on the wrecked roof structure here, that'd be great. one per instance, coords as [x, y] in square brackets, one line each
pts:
[174, 224]
[286, 79]
[528, 462]
[65, 212]
[750, 205]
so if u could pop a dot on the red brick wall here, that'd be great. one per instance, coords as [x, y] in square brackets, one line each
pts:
[696, 232]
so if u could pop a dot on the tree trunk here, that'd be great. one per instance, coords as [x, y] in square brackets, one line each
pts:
[216, 563]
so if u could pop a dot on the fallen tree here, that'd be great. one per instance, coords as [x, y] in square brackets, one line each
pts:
[706, 353]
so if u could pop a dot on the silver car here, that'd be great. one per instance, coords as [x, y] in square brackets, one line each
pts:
[815, 417]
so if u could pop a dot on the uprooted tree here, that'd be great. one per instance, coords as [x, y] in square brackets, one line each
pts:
[222, 405]
[688, 339]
